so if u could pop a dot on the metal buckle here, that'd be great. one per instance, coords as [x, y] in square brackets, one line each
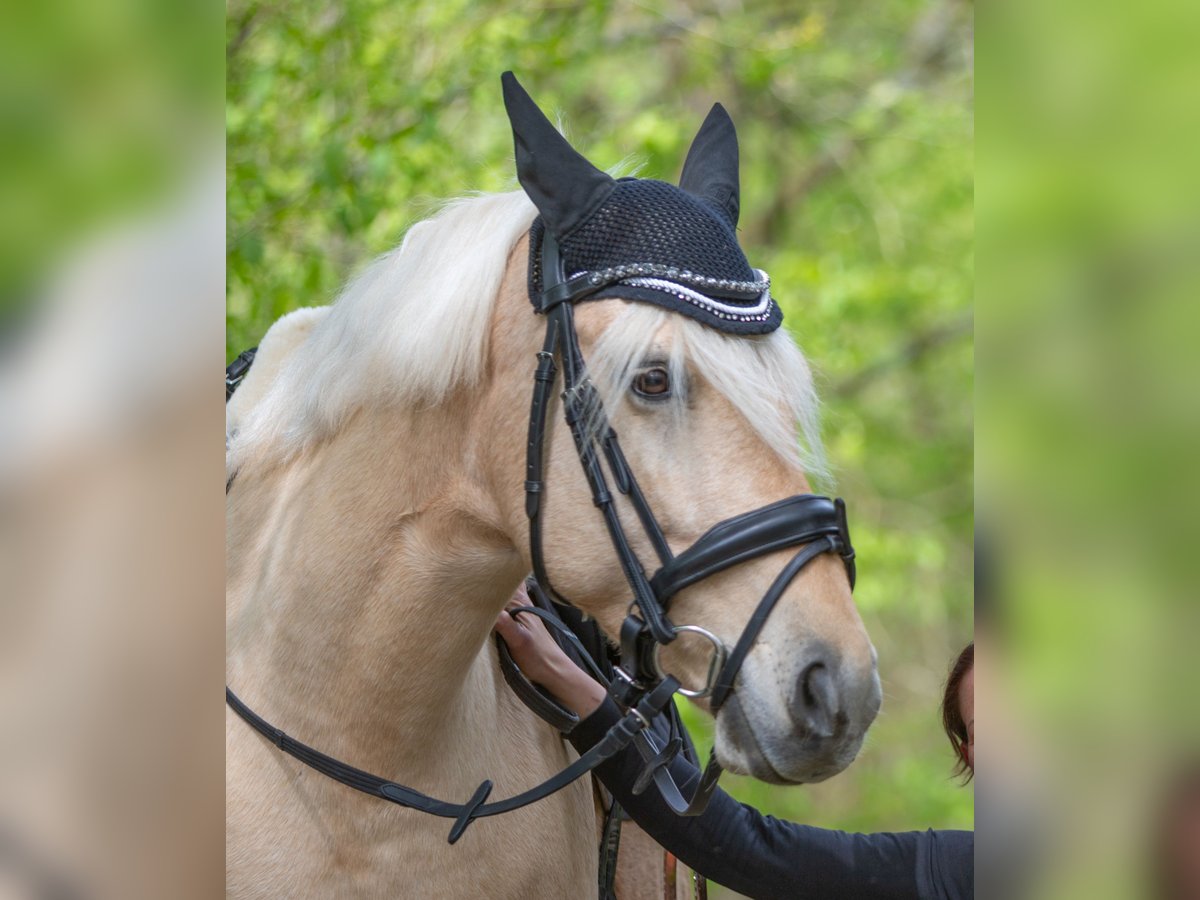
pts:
[715, 664]
[624, 688]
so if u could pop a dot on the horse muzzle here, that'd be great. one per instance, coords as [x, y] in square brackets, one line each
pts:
[807, 736]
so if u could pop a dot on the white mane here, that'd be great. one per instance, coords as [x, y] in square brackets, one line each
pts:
[409, 329]
[414, 326]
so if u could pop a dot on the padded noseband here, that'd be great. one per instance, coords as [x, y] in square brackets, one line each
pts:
[797, 520]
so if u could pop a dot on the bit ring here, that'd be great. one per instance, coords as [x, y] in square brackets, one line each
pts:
[715, 664]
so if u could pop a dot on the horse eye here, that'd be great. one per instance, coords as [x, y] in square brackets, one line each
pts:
[654, 383]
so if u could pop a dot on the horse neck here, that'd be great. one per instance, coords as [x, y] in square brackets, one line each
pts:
[364, 578]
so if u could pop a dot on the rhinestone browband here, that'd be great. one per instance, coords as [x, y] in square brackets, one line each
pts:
[760, 312]
[674, 274]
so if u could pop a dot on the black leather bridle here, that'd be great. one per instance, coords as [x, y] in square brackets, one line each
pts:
[640, 686]
[818, 523]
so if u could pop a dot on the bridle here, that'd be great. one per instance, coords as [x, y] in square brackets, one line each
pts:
[818, 523]
[639, 685]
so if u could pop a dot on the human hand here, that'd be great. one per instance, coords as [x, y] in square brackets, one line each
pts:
[541, 659]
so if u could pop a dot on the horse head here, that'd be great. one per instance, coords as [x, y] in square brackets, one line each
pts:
[685, 356]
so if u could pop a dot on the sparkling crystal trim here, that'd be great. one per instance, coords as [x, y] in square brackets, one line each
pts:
[681, 277]
[757, 313]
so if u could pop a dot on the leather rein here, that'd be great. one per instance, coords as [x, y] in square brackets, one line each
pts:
[816, 524]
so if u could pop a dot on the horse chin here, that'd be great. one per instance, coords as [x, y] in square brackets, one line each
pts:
[794, 758]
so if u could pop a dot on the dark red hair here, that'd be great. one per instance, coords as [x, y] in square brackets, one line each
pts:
[952, 720]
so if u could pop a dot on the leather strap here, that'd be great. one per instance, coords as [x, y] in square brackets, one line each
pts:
[672, 795]
[556, 287]
[733, 664]
[236, 371]
[610, 849]
[627, 484]
[543, 387]
[615, 739]
[585, 417]
[796, 520]
[541, 703]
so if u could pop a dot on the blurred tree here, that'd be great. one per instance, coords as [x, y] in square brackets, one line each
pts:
[347, 121]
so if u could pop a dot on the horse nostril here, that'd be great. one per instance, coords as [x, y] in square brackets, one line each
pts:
[815, 703]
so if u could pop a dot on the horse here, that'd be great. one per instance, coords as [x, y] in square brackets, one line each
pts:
[376, 526]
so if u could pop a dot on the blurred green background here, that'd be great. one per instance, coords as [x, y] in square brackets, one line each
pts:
[347, 122]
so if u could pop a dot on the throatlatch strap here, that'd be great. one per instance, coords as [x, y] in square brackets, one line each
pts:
[543, 387]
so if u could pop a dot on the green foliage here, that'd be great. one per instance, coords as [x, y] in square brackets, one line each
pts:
[347, 121]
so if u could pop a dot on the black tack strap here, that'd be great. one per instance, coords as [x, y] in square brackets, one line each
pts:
[786, 523]
[544, 377]
[704, 790]
[664, 757]
[846, 551]
[610, 847]
[615, 739]
[670, 792]
[733, 665]
[584, 414]
[572, 290]
[631, 566]
[539, 702]
[658, 759]
[236, 371]
[562, 628]
[627, 484]
[469, 810]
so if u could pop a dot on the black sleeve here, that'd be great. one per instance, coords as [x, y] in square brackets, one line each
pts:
[763, 857]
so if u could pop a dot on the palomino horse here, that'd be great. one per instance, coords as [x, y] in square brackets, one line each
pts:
[377, 526]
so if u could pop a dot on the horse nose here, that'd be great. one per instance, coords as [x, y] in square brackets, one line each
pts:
[815, 702]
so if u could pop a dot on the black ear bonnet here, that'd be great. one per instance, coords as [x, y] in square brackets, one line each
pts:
[675, 247]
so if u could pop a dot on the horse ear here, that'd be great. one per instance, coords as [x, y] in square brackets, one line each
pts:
[711, 168]
[564, 186]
